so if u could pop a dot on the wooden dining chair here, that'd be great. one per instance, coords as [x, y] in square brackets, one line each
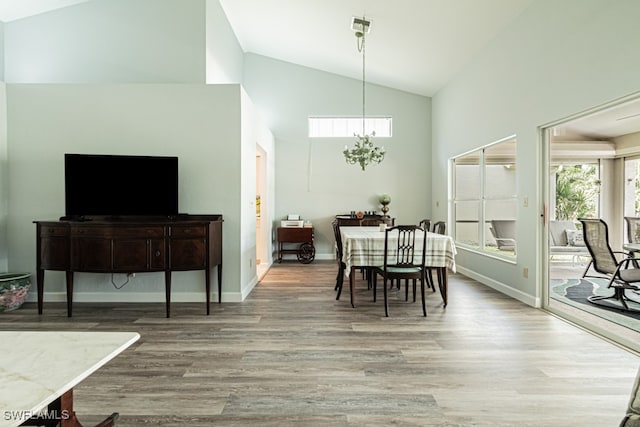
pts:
[401, 262]
[341, 265]
[439, 227]
[425, 224]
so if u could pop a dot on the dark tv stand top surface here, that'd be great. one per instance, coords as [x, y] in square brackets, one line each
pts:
[139, 219]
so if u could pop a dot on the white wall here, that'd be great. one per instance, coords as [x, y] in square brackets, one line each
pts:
[312, 177]
[253, 132]
[168, 42]
[198, 123]
[224, 56]
[4, 180]
[110, 41]
[555, 60]
[1, 51]
[4, 196]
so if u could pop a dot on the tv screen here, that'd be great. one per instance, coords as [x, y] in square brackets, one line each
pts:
[113, 185]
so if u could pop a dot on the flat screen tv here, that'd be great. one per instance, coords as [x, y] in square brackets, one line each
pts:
[116, 185]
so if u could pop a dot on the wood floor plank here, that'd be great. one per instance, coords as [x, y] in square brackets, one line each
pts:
[291, 355]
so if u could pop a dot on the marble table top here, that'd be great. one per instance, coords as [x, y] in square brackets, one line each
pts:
[38, 367]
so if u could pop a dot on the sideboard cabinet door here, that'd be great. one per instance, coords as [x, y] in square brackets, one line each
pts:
[188, 247]
[91, 254]
[54, 247]
[130, 255]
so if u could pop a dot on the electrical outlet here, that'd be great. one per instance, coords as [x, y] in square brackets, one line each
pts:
[250, 262]
[525, 202]
[525, 272]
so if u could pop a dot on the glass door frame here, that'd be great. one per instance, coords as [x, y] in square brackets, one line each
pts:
[606, 329]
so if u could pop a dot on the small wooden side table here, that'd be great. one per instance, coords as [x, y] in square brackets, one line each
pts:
[303, 237]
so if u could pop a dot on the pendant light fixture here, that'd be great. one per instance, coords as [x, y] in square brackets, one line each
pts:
[364, 151]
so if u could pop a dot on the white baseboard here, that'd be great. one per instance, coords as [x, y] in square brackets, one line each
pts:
[501, 287]
[136, 297]
[247, 289]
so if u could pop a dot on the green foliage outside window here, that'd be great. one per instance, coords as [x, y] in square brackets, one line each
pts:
[577, 192]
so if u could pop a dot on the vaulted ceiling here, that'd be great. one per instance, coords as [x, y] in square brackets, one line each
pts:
[414, 45]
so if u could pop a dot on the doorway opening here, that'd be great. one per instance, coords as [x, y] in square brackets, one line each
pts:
[591, 164]
[262, 214]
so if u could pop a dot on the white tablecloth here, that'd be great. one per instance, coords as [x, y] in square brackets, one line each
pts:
[364, 246]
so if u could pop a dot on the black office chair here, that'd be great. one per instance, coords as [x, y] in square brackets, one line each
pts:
[401, 262]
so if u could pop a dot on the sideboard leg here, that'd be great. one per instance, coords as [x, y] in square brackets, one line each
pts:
[40, 283]
[167, 285]
[219, 283]
[207, 286]
[69, 275]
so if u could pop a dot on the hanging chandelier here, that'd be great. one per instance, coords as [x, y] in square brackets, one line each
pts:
[364, 152]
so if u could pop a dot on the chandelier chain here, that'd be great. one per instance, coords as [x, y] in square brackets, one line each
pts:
[365, 152]
[363, 84]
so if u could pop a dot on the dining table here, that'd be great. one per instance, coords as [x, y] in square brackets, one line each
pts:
[364, 247]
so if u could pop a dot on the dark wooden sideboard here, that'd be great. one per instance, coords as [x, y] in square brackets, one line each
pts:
[130, 245]
[364, 220]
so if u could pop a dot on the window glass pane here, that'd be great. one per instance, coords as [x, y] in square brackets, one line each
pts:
[467, 177]
[486, 178]
[500, 209]
[467, 215]
[632, 187]
[577, 191]
[500, 225]
[345, 127]
[500, 170]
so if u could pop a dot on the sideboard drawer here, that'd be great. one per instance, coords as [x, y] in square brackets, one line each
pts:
[52, 231]
[188, 231]
[124, 232]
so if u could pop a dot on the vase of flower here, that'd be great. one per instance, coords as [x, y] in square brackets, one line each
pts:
[384, 201]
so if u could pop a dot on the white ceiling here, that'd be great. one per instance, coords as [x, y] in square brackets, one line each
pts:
[604, 124]
[10, 10]
[414, 45]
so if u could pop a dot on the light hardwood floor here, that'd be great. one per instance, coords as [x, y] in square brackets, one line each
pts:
[293, 355]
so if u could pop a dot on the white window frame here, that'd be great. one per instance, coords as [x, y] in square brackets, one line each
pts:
[481, 200]
[348, 126]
